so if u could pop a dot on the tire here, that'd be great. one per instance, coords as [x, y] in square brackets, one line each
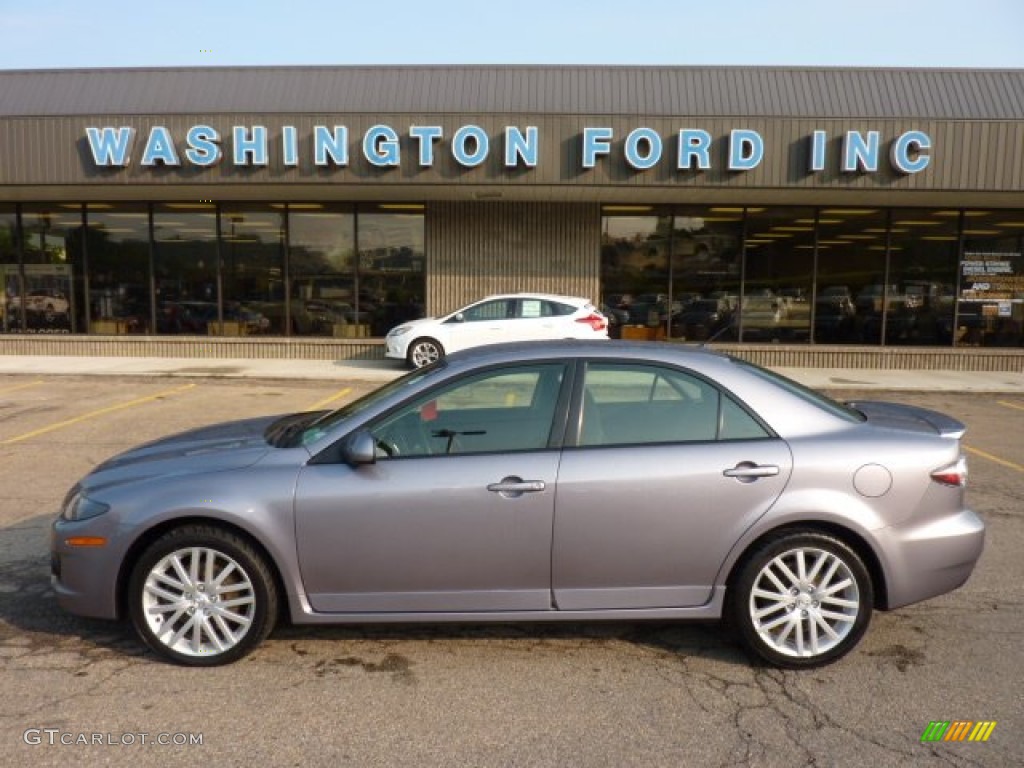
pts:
[202, 596]
[424, 352]
[801, 600]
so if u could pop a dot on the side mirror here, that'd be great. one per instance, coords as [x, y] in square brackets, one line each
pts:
[359, 448]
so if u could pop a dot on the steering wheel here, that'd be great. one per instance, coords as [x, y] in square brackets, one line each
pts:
[390, 449]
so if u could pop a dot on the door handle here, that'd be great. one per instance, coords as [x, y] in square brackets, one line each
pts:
[513, 487]
[748, 471]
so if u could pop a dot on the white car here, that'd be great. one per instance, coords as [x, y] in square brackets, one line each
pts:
[493, 320]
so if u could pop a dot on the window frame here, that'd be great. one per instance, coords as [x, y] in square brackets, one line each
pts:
[559, 417]
[576, 412]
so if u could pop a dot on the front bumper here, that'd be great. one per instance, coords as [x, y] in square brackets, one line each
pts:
[927, 559]
[394, 349]
[85, 578]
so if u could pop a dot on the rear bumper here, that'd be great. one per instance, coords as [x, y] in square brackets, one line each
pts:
[924, 560]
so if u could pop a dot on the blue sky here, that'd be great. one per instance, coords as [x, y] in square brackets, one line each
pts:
[902, 33]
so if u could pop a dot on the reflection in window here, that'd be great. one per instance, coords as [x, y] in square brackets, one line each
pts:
[10, 274]
[779, 274]
[185, 265]
[391, 265]
[851, 290]
[706, 272]
[923, 258]
[52, 244]
[635, 281]
[990, 311]
[117, 246]
[322, 252]
[252, 270]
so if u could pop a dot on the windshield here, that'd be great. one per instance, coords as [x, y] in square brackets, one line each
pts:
[320, 426]
[807, 394]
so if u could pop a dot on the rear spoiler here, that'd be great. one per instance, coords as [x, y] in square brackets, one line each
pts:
[910, 417]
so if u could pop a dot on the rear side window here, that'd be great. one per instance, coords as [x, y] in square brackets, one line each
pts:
[631, 404]
[558, 309]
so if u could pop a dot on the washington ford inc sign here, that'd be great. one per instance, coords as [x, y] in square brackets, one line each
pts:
[471, 145]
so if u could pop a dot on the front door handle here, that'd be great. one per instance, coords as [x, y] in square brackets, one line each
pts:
[748, 471]
[514, 487]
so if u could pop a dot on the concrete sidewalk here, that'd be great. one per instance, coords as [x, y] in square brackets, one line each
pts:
[385, 370]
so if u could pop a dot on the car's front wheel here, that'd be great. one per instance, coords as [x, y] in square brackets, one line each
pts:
[202, 596]
[801, 600]
[424, 352]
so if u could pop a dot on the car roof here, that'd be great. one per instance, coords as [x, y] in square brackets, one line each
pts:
[576, 348]
[532, 295]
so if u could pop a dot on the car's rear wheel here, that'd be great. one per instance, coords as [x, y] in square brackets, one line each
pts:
[801, 600]
[424, 352]
[202, 596]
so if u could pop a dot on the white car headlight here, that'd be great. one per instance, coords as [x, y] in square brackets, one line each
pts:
[402, 329]
[79, 507]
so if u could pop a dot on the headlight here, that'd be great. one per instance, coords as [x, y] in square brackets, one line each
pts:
[78, 507]
[400, 330]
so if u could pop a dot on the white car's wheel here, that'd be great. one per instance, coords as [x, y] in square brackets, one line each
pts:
[802, 599]
[424, 352]
[202, 596]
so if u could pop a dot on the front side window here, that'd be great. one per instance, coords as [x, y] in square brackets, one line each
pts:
[504, 410]
[501, 309]
[631, 404]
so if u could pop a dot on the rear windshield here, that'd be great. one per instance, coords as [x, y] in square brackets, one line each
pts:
[806, 394]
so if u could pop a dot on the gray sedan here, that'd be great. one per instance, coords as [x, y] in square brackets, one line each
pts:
[543, 481]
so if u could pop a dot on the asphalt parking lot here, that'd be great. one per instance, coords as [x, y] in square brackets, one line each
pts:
[534, 695]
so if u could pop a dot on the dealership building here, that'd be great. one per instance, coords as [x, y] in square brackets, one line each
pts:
[799, 216]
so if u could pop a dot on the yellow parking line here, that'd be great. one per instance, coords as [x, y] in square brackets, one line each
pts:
[996, 459]
[21, 386]
[1011, 405]
[94, 414]
[336, 396]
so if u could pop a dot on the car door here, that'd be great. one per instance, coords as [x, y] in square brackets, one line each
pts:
[456, 513]
[488, 322]
[666, 473]
[541, 319]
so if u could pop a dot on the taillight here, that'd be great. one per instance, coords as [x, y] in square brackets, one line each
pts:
[594, 320]
[954, 475]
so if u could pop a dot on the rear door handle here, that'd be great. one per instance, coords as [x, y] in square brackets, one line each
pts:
[513, 487]
[748, 471]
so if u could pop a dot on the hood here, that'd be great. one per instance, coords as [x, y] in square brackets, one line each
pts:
[909, 418]
[208, 449]
[414, 323]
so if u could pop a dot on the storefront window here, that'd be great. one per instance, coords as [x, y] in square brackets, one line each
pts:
[10, 274]
[635, 272]
[52, 244]
[852, 290]
[185, 267]
[923, 263]
[252, 270]
[990, 310]
[391, 266]
[776, 302]
[321, 243]
[117, 252]
[706, 273]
